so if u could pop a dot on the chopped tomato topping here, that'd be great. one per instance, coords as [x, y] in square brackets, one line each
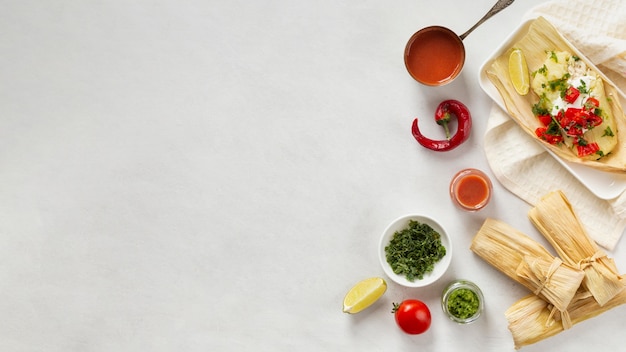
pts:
[565, 118]
[594, 120]
[571, 94]
[572, 123]
[591, 103]
[571, 119]
[574, 131]
[579, 118]
[587, 149]
[545, 119]
[542, 132]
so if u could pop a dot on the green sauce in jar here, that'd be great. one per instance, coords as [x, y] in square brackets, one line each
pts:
[463, 303]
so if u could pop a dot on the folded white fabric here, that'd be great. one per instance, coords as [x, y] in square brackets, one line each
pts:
[598, 30]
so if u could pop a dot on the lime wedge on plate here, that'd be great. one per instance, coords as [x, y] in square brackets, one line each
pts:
[518, 70]
[364, 294]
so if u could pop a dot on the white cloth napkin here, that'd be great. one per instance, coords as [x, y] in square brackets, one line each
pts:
[598, 30]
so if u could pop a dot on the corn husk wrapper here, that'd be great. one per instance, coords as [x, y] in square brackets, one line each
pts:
[541, 37]
[532, 319]
[551, 279]
[554, 217]
[527, 262]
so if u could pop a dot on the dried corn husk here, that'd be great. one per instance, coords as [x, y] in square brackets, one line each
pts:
[532, 319]
[540, 37]
[555, 219]
[554, 281]
[527, 262]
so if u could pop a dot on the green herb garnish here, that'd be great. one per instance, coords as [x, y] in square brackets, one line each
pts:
[598, 111]
[542, 70]
[414, 251]
[558, 85]
[608, 132]
[553, 56]
[554, 128]
[542, 107]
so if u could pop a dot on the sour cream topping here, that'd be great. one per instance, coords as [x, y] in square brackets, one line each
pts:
[578, 78]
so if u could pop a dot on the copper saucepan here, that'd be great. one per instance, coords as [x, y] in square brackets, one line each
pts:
[435, 55]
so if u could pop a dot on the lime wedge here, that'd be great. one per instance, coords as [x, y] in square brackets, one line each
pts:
[518, 70]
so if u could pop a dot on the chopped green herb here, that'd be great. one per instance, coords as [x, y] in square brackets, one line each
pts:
[608, 132]
[583, 88]
[558, 85]
[542, 70]
[542, 107]
[554, 128]
[414, 251]
[553, 56]
[597, 111]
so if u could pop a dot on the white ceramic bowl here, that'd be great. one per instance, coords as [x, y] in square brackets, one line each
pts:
[439, 268]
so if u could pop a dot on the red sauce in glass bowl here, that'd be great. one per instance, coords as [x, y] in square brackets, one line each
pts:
[470, 189]
[434, 56]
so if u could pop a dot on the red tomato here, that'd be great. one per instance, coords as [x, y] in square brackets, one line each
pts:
[587, 149]
[594, 120]
[412, 316]
[592, 103]
[542, 132]
[571, 94]
[545, 119]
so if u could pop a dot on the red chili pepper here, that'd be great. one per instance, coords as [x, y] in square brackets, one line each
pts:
[442, 117]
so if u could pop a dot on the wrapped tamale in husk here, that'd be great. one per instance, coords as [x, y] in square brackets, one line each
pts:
[550, 279]
[526, 261]
[535, 39]
[532, 319]
[555, 219]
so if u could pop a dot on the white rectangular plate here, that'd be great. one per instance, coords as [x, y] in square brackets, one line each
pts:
[605, 185]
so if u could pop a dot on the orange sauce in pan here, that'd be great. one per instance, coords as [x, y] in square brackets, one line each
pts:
[434, 55]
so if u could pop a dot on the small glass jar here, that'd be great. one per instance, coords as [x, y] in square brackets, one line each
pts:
[470, 189]
[462, 301]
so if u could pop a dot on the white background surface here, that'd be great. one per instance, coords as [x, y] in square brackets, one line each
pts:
[214, 176]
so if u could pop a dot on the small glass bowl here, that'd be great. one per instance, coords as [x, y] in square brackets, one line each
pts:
[466, 185]
[449, 294]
